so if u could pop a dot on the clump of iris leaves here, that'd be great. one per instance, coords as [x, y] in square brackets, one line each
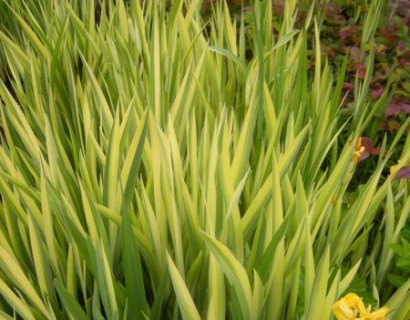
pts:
[203, 159]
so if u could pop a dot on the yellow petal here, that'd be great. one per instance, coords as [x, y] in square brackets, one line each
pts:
[379, 314]
[358, 143]
[349, 307]
[354, 301]
[359, 149]
[343, 312]
[394, 169]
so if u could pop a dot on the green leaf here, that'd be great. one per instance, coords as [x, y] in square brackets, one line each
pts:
[235, 273]
[229, 55]
[185, 302]
[15, 301]
[264, 267]
[10, 266]
[129, 173]
[70, 303]
[134, 278]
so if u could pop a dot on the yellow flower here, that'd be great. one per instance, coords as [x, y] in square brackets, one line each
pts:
[359, 150]
[396, 168]
[378, 314]
[351, 307]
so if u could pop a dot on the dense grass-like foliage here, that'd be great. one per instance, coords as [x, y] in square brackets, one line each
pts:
[169, 161]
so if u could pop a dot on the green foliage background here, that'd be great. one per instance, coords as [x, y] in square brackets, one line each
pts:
[167, 163]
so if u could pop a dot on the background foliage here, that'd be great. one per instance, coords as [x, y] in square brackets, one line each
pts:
[192, 160]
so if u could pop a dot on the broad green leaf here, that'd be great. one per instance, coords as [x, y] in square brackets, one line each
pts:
[229, 55]
[71, 304]
[235, 273]
[258, 298]
[129, 172]
[13, 269]
[348, 278]
[319, 289]
[15, 301]
[398, 297]
[112, 164]
[134, 278]
[185, 302]
[264, 267]
[217, 303]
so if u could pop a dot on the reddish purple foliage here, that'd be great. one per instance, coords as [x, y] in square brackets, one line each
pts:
[403, 173]
[404, 63]
[377, 92]
[331, 52]
[361, 70]
[347, 86]
[368, 148]
[389, 34]
[356, 54]
[364, 149]
[400, 47]
[405, 107]
[396, 106]
[332, 9]
[347, 32]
